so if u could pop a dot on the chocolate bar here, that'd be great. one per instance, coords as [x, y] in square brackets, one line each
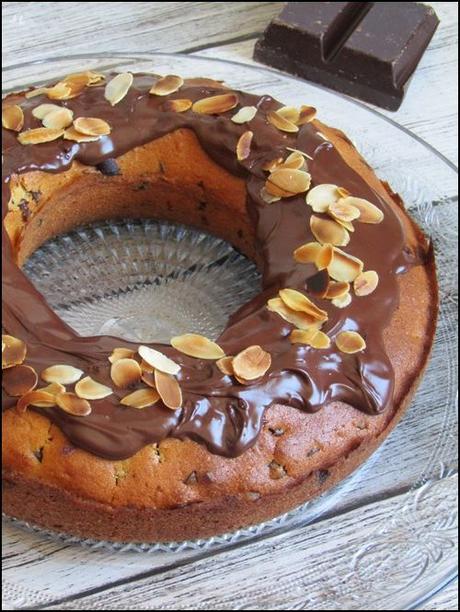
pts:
[368, 50]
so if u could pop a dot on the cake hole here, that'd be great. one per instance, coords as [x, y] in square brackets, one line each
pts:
[142, 280]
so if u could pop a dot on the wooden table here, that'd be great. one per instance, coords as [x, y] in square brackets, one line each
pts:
[218, 30]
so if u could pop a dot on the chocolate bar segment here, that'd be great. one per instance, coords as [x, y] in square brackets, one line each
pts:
[368, 50]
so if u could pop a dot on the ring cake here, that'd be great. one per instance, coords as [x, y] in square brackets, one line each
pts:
[108, 439]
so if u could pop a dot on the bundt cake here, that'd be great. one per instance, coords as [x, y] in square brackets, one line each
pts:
[108, 439]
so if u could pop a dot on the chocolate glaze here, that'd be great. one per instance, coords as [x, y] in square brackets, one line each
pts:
[226, 416]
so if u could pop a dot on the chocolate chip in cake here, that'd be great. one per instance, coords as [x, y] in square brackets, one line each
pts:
[276, 431]
[109, 167]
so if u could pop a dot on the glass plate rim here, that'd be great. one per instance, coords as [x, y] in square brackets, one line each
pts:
[251, 67]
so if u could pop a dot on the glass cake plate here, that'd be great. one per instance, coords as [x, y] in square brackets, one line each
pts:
[384, 538]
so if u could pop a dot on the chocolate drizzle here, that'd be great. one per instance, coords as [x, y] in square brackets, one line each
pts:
[218, 412]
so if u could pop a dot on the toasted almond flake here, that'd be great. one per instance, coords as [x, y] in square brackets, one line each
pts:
[72, 134]
[91, 126]
[62, 374]
[158, 360]
[179, 105]
[60, 91]
[90, 389]
[329, 231]
[344, 267]
[169, 390]
[88, 78]
[243, 146]
[341, 211]
[148, 378]
[251, 363]
[322, 196]
[294, 161]
[276, 191]
[281, 123]
[215, 105]
[225, 365]
[301, 153]
[142, 398]
[58, 119]
[268, 197]
[324, 256]
[291, 113]
[343, 301]
[300, 319]
[270, 165]
[38, 91]
[350, 342]
[167, 85]
[76, 83]
[320, 340]
[121, 353]
[306, 114]
[95, 78]
[19, 380]
[117, 88]
[72, 404]
[307, 253]
[13, 118]
[245, 114]
[336, 290]
[125, 372]
[369, 212]
[366, 283]
[292, 181]
[14, 351]
[38, 398]
[39, 135]
[295, 300]
[302, 336]
[343, 193]
[197, 346]
[53, 388]
[346, 224]
[40, 111]
[146, 367]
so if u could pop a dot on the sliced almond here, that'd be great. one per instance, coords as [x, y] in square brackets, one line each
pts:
[337, 289]
[324, 256]
[320, 340]
[77, 83]
[245, 114]
[369, 212]
[294, 161]
[342, 211]
[268, 197]
[342, 301]
[343, 193]
[271, 164]
[168, 389]
[14, 351]
[39, 135]
[276, 191]
[146, 367]
[62, 374]
[197, 346]
[117, 88]
[92, 126]
[295, 300]
[53, 388]
[300, 319]
[215, 105]
[90, 389]
[125, 373]
[58, 119]
[38, 398]
[142, 398]
[121, 353]
[366, 283]
[282, 124]
[13, 118]
[167, 85]
[251, 363]
[225, 365]
[40, 111]
[302, 336]
[307, 253]
[95, 78]
[301, 152]
[19, 380]
[60, 91]
[291, 113]
[243, 146]
[148, 378]
[344, 267]
[38, 91]
[350, 342]
[291, 181]
[306, 114]
[72, 404]
[88, 78]
[72, 134]
[322, 196]
[158, 360]
[177, 106]
[329, 231]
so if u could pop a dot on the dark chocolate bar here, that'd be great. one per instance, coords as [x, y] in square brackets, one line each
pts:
[368, 50]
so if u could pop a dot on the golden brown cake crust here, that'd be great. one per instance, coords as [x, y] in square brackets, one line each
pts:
[177, 489]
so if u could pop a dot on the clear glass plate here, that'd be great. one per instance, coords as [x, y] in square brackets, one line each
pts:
[393, 561]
